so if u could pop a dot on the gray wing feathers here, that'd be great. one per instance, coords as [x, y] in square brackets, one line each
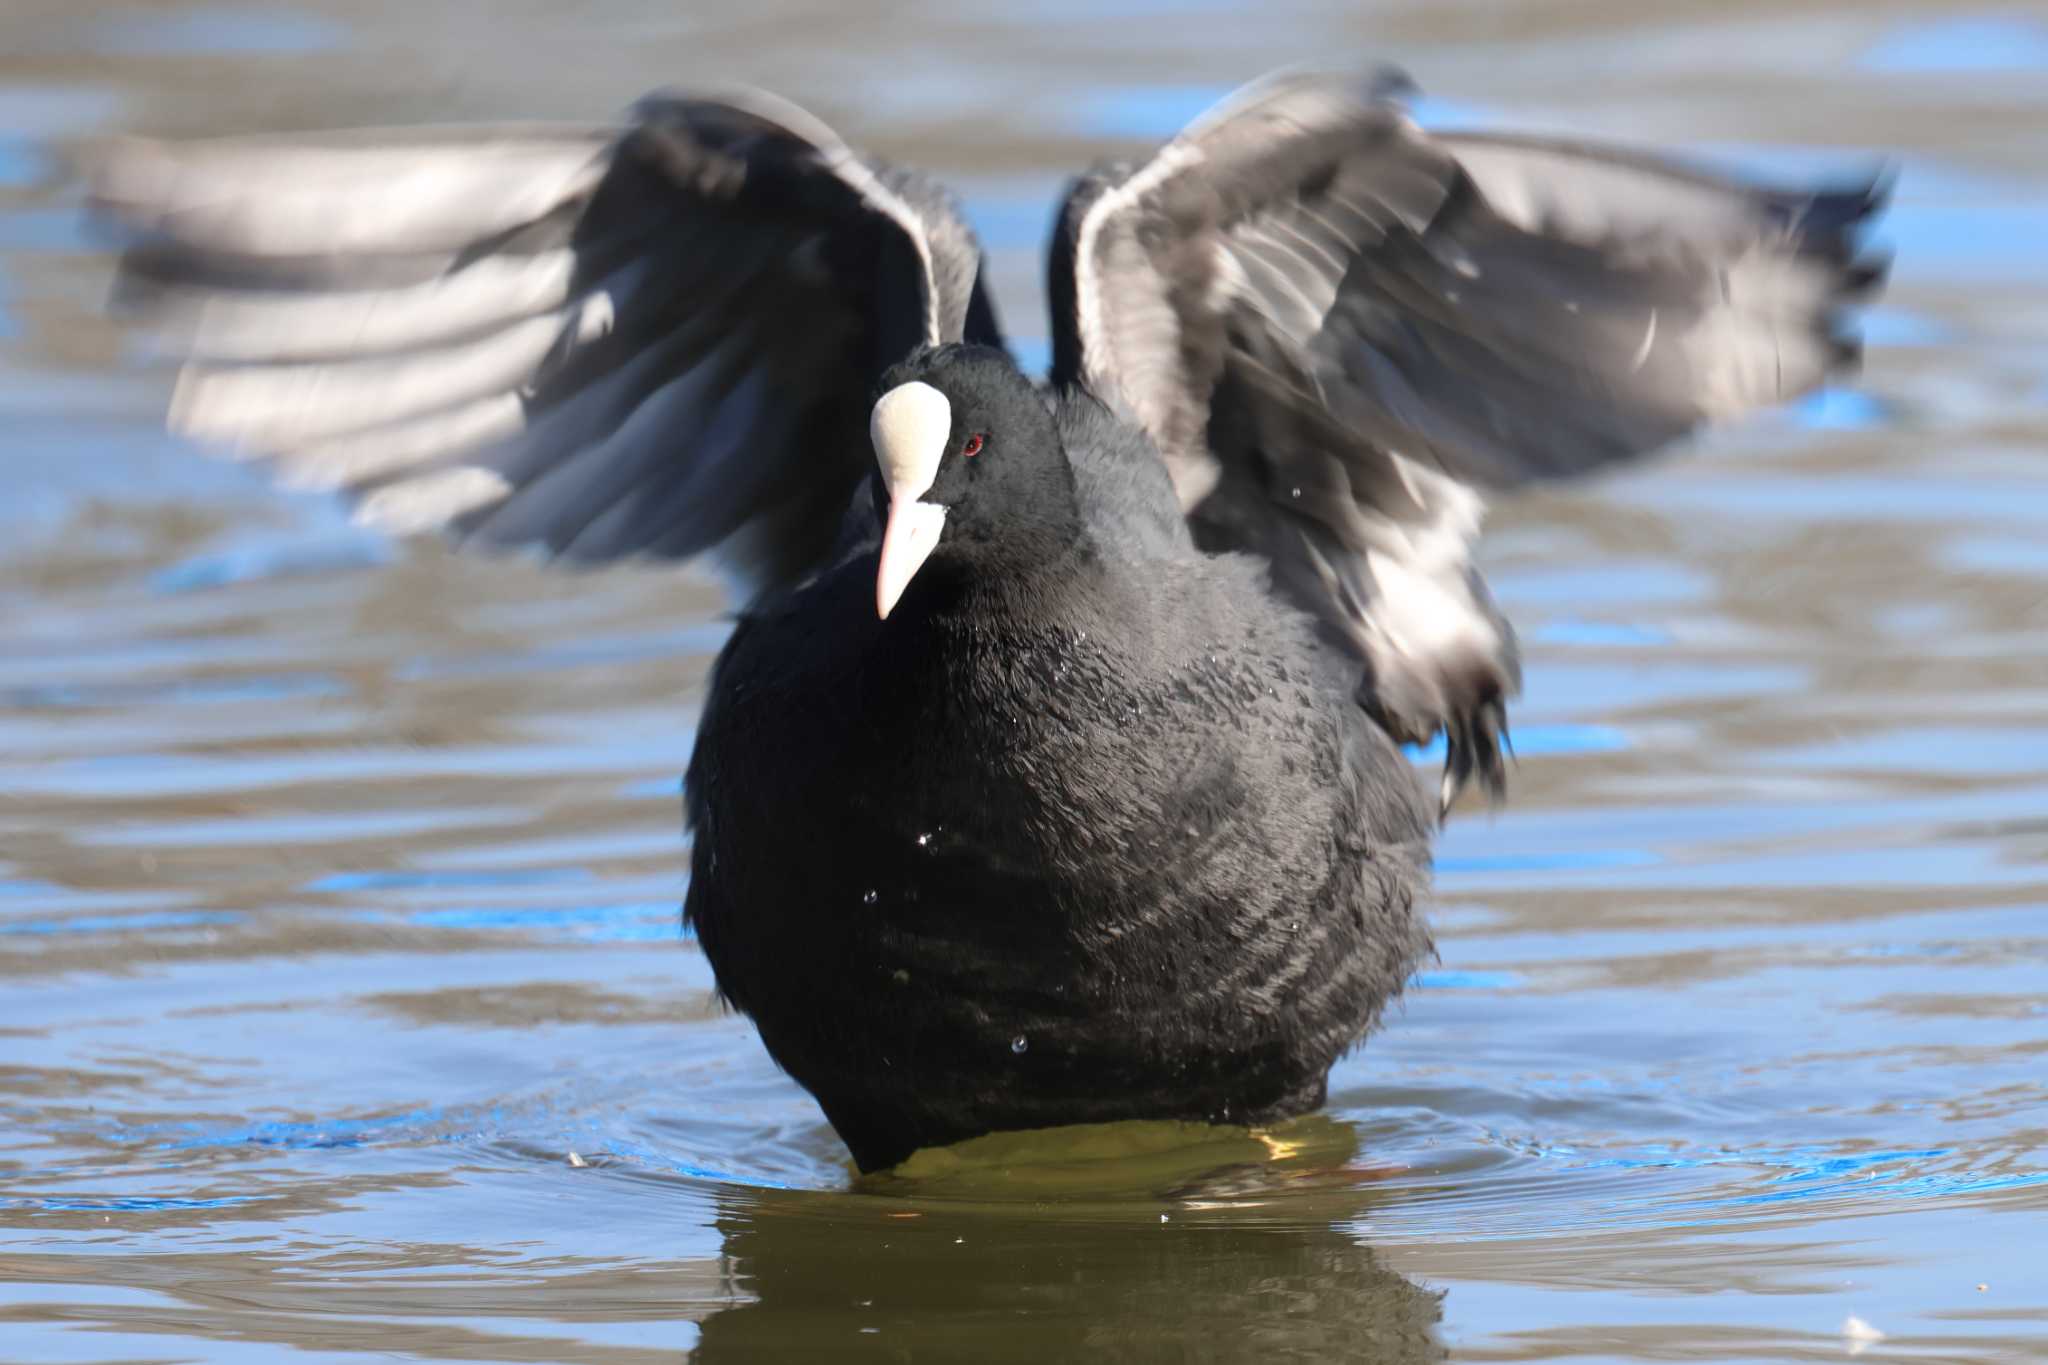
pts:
[372, 193]
[1514, 350]
[273, 325]
[1340, 330]
[648, 340]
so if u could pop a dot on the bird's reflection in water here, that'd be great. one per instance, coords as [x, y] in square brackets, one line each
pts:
[1248, 1259]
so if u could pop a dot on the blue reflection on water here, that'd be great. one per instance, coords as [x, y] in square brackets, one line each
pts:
[705, 638]
[1890, 326]
[1157, 112]
[117, 924]
[225, 31]
[1466, 981]
[397, 881]
[631, 922]
[1595, 634]
[20, 163]
[174, 691]
[302, 1134]
[255, 563]
[1013, 221]
[1572, 861]
[1143, 111]
[1995, 234]
[1838, 410]
[648, 1156]
[1034, 354]
[653, 788]
[1984, 42]
[1541, 739]
[2025, 556]
[129, 1204]
[39, 231]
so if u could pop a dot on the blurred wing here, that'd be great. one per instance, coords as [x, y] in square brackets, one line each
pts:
[651, 340]
[1340, 331]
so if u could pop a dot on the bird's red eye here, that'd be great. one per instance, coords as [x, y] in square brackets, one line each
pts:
[973, 446]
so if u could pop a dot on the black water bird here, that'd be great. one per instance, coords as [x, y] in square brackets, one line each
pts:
[1052, 770]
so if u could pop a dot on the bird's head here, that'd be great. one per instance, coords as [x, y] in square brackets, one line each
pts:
[968, 455]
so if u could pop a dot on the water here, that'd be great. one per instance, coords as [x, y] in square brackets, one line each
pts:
[338, 881]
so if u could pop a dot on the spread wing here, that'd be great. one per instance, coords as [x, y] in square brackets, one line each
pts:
[1341, 332]
[654, 339]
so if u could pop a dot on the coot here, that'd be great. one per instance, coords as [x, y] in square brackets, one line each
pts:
[1052, 771]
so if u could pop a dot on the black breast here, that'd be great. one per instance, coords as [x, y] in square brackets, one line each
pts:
[1101, 864]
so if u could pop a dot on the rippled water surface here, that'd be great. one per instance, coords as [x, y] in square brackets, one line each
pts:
[338, 880]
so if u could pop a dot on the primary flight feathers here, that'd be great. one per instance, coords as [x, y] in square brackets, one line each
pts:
[1340, 331]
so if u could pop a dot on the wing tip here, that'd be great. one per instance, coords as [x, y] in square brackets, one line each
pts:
[1378, 85]
[1835, 228]
[1832, 221]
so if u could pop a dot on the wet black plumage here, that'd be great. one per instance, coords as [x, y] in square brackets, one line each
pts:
[1107, 818]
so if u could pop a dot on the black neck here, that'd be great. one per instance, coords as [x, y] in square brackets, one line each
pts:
[1020, 576]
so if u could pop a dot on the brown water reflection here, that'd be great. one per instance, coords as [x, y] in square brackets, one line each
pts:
[338, 881]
